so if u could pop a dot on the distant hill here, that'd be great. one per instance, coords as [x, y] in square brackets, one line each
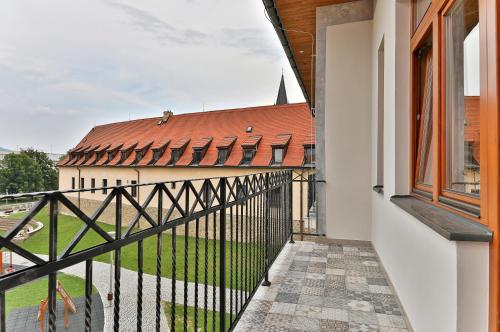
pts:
[4, 150]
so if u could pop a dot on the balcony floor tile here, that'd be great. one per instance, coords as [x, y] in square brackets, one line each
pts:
[325, 287]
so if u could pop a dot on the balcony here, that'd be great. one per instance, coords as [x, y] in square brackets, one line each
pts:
[123, 263]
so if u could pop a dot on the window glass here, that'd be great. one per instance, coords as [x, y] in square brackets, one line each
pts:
[248, 154]
[423, 121]
[222, 157]
[309, 155]
[104, 184]
[462, 97]
[197, 156]
[176, 155]
[72, 183]
[92, 185]
[278, 154]
[118, 182]
[133, 190]
[82, 183]
[420, 7]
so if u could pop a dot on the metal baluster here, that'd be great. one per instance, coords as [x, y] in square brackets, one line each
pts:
[159, 239]
[205, 313]
[116, 315]
[242, 286]
[290, 204]
[53, 211]
[88, 295]
[231, 265]
[3, 326]
[196, 271]
[214, 269]
[236, 275]
[139, 284]
[267, 201]
[186, 262]
[246, 241]
[222, 255]
[174, 276]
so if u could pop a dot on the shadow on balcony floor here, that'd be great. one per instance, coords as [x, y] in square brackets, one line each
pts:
[325, 287]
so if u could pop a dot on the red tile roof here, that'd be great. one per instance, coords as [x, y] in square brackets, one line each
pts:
[290, 124]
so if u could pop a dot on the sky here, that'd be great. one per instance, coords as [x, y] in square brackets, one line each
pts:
[66, 66]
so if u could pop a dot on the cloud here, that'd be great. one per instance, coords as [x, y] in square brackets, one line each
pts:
[161, 30]
[252, 41]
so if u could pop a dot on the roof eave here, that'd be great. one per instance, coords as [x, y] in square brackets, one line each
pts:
[272, 11]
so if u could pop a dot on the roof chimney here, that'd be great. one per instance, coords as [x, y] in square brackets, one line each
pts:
[165, 117]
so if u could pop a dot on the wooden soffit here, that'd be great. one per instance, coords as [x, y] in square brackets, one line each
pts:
[300, 15]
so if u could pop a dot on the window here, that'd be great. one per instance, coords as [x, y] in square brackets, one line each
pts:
[73, 183]
[309, 155]
[423, 117]
[462, 58]
[138, 156]
[82, 183]
[104, 185]
[176, 155]
[92, 186]
[133, 189]
[222, 156]
[125, 155]
[278, 155]
[112, 155]
[420, 7]
[448, 110]
[198, 155]
[248, 154]
[118, 182]
[380, 117]
[157, 154]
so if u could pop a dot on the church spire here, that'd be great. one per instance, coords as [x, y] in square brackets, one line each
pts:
[282, 98]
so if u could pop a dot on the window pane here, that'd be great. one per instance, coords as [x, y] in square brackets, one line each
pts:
[419, 9]
[278, 155]
[462, 98]
[424, 140]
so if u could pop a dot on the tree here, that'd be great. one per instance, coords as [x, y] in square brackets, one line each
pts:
[27, 171]
[46, 166]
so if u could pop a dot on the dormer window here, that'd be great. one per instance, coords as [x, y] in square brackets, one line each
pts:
[248, 154]
[198, 155]
[124, 155]
[112, 155]
[222, 156]
[99, 155]
[157, 154]
[309, 155]
[138, 156]
[174, 158]
[278, 155]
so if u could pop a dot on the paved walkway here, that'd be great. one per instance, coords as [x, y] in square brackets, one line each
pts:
[128, 297]
[325, 287]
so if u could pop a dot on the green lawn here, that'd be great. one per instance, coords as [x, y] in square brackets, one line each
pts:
[179, 318]
[32, 293]
[68, 227]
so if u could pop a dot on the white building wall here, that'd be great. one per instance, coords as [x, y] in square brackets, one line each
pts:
[347, 130]
[442, 284]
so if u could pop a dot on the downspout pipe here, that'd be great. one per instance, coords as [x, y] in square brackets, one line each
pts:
[275, 19]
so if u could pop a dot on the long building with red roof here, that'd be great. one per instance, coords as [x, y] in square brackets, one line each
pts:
[223, 143]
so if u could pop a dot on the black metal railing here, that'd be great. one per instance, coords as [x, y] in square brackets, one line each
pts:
[216, 237]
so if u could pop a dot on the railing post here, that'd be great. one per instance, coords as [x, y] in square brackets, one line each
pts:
[222, 257]
[266, 221]
[290, 205]
[53, 212]
[118, 229]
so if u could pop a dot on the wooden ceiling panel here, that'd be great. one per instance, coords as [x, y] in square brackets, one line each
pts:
[300, 15]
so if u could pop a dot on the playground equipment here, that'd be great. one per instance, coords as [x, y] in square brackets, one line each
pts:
[69, 305]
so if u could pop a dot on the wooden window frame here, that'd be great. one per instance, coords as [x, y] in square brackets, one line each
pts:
[489, 13]
[433, 24]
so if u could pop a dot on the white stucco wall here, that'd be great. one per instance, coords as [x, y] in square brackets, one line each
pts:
[443, 285]
[348, 130]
